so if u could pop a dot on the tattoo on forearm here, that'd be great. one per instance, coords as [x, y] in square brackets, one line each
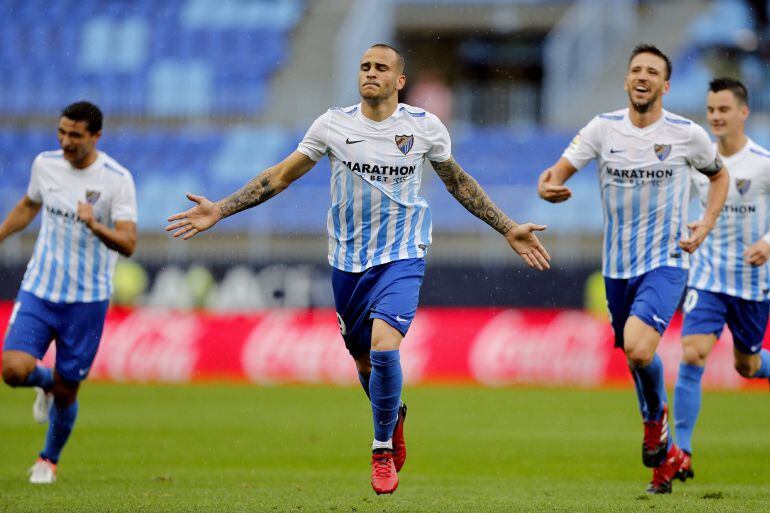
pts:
[258, 190]
[470, 195]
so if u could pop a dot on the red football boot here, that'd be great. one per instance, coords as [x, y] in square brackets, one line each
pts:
[655, 440]
[384, 475]
[663, 475]
[399, 444]
[685, 471]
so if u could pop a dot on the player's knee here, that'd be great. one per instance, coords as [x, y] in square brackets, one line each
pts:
[385, 344]
[14, 374]
[639, 356]
[63, 396]
[745, 368]
[693, 356]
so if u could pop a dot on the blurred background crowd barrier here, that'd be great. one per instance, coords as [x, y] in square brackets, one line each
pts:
[486, 346]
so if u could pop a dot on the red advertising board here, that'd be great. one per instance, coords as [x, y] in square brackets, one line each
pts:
[493, 347]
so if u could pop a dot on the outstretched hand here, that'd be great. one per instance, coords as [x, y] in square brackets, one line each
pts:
[202, 216]
[551, 192]
[525, 243]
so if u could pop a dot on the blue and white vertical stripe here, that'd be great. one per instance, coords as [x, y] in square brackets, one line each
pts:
[70, 264]
[369, 227]
[719, 264]
[643, 224]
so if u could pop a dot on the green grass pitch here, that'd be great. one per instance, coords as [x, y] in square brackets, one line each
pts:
[223, 447]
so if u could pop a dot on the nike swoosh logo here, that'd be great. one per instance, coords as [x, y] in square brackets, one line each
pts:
[612, 150]
[658, 319]
[348, 141]
[401, 319]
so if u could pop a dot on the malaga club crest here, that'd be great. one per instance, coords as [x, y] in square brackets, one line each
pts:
[742, 185]
[662, 151]
[404, 143]
[92, 196]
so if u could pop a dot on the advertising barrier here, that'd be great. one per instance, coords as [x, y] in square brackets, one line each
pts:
[486, 346]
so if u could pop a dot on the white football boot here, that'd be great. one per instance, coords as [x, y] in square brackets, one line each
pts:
[42, 472]
[42, 404]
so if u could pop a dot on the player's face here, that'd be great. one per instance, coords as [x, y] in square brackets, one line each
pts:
[726, 115]
[76, 141]
[379, 77]
[646, 81]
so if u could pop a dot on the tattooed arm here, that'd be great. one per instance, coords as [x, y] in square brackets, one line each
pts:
[469, 193]
[259, 189]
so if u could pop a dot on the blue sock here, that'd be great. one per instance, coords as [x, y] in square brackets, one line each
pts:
[364, 379]
[60, 422]
[687, 394]
[764, 369]
[385, 392]
[39, 377]
[639, 395]
[651, 388]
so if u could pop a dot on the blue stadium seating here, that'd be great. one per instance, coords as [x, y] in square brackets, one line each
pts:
[133, 57]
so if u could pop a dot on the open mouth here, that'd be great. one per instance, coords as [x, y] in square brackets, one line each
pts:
[641, 89]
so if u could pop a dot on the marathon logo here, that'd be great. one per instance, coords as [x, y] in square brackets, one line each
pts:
[379, 170]
[739, 209]
[62, 213]
[655, 177]
[641, 174]
[68, 215]
[377, 173]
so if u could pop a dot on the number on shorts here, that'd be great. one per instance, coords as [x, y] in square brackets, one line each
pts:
[343, 329]
[690, 300]
[15, 310]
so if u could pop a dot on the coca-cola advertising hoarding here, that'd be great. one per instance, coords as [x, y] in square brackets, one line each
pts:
[487, 346]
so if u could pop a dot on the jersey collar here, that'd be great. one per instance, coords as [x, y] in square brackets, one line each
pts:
[379, 125]
[641, 131]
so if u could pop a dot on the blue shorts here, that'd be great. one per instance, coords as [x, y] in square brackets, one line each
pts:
[76, 327]
[389, 292]
[705, 313]
[653, 297]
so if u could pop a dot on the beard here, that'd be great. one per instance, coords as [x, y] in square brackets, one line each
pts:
[643, 107]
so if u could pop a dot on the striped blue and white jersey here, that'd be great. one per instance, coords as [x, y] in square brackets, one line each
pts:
[377, 214]
[719, 264]
[70, 264]
[644, 176]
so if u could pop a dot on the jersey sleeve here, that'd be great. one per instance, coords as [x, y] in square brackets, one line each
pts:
[586, 145]
[35, 187]
[440, 142]
[702, 153]
[315, 144]
[124, 202]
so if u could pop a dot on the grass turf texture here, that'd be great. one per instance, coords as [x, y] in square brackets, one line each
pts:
[219, 447]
